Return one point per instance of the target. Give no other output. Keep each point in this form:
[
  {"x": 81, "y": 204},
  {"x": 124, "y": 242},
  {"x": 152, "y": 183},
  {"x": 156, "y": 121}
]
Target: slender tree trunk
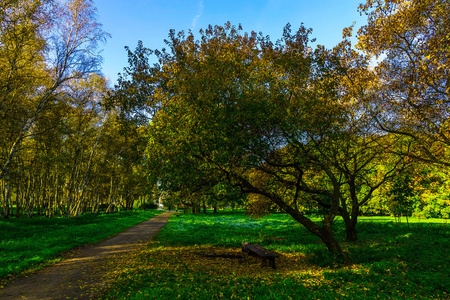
[
  {"x": 72, "y": 181},
  {"x": 95, "y": 204},
  {"x": 407, "y": 221},
  {"x": 88, "y": 169},
  {"x": 76, "y": 212},
  {"x": 56, "y": 192},
  {"x": 3, "y": 196},
  {"x": 18, "y": 201},
  {"x": 110, "y": 197},
  {"x": 25, "y": 194},
  {"x": 30, "y": 197},
  {"x": 18, "y": 191},
  {"x": 38, "y": 196},
  {"x": 8, "y": 196},
  {"x": 30, "y": 205}
]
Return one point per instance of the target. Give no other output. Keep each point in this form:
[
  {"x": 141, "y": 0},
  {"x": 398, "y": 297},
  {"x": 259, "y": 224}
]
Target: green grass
[
  {"x": 25, "y": 243},
  {"x": 199, "y": 257}
]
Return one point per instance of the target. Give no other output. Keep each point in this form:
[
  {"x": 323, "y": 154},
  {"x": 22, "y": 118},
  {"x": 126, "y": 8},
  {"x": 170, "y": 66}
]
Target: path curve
[{"x": 80, "y": 275}]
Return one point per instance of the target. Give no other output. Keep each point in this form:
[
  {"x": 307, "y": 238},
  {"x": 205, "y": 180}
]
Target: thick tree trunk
[
  {"x": 350, "y": 221},
  {"x": 333, "y": 246},
  {"x": 350, "y": 228},
  {"x": 326, "y": 235},
  {"x": 350, "y": 224}
]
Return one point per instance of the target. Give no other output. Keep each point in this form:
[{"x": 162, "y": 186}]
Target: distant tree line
[{"x": 62, "y": 152}]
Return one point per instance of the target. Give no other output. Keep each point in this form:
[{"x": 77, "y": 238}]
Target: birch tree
[{"x": 60, "y": 45}]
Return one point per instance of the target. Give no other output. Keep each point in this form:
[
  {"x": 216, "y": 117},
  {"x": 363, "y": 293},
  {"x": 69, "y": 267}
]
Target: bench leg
[
  {"x": 264, "y": 262},
  {"x": 272, "y": 262},
  {"x": 268, "y": 261}
]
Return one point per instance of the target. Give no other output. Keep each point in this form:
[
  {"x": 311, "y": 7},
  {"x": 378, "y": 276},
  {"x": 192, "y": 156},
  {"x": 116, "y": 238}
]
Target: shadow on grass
[{"x": 198, "y": 256}]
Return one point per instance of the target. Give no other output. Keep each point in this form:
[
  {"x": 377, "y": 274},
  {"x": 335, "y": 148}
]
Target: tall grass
[
  {"x": 25, "y": 243},
  {"x": 199, "y": 257}
]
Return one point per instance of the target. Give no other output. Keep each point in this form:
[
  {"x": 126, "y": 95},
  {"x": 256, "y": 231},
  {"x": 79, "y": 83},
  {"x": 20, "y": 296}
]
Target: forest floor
[{"x": 81, "y": 275}]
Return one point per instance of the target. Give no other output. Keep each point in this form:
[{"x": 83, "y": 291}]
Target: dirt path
[{"x": 80, "y": 275}]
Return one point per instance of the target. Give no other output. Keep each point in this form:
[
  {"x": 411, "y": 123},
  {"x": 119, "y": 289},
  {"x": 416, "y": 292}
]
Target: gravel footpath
[{"x": 80, "y": 275}]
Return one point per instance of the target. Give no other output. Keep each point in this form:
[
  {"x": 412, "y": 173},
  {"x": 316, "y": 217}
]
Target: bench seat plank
[{"x": 255, "y": 249}]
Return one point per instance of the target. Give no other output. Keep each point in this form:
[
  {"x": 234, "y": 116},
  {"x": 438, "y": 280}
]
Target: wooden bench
[{"x": 256, "y": 250}]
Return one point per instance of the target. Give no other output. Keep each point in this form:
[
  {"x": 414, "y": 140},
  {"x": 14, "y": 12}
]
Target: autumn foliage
[{"x": 229, "y": 118}]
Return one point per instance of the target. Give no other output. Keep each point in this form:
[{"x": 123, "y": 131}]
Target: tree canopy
[
  {"x": 411, "y": 98},
  {"x": 291, "y": 124}
]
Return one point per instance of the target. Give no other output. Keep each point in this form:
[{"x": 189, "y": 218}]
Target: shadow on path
[{"x": 80, "y": 275}]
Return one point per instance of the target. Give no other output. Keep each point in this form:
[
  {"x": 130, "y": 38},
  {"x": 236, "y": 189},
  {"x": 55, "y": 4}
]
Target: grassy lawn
[
  {"x": 199, "y": 257},
  {"x": 25, "y": 243}
]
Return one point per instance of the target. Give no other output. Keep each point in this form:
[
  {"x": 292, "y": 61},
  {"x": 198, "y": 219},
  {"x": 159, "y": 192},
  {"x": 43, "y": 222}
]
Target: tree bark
[
  {"x": 350, "y": 228},
  {"x": 350, "y": 221}
]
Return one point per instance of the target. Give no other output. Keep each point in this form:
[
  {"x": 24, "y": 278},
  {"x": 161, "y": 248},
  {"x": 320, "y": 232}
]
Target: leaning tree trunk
[{"x": 324, "y": 233}]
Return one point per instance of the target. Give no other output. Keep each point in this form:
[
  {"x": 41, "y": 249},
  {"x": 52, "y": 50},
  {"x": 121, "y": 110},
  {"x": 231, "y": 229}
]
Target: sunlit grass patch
[
  {"x": 209, "y": 272},
  {"x": 205, "y": 272}
]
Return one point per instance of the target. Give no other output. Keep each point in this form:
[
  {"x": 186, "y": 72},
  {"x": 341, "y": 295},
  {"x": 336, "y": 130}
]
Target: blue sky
[{"x": 150, "y": 21}]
